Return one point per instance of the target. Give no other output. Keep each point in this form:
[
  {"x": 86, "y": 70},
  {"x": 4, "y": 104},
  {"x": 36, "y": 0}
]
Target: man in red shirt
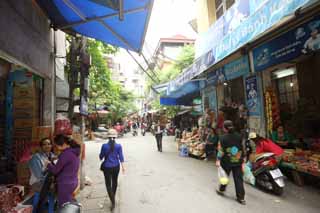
[{"x": 263, "y": 145}]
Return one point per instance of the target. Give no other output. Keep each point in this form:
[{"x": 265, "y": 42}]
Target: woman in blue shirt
[{"x": 111, "y": 154}]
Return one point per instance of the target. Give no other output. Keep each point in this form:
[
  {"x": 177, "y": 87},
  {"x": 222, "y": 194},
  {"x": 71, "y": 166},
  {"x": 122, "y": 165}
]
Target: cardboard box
[
  {"x": 23, "y": 114},
  {"x": 22, "y": 132},
  {"x": 23, "y": 171},
  {"x": 23, "y": 103},
  {"x": 25, "y": 91},
  {"x": 22, "y": 123},
  {"x": 40, "y": 132}
]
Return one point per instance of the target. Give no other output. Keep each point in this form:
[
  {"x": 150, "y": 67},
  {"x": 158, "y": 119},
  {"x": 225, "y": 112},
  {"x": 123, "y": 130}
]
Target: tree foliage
[
  {"x": 102, "y": 90},
  {"x": 184, "y": 60}
]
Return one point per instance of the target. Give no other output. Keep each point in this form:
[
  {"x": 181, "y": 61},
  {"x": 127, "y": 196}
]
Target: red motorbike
[{"x": 268, "y": 175}]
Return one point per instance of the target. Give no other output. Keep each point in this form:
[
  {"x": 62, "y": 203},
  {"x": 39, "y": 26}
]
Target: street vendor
[
  {"x": 211, "y": 143},
  {"x": 263, "y": 145},
  {"x": 282, "y": 138},
  {"x": 66, "y": 169},
  {"x": 37, "y": 164}
]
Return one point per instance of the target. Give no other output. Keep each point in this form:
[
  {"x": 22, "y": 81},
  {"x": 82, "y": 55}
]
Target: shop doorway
[{"x": 285, "y": 83}]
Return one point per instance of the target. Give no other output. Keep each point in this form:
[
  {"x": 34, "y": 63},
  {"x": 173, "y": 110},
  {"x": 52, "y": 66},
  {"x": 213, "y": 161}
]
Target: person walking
[
  {"x": 158, "y": 133},
  {"x": 112, "y": 156},
  {"x": 66, "y": 169},
  {"x": 231, "y": 158}
]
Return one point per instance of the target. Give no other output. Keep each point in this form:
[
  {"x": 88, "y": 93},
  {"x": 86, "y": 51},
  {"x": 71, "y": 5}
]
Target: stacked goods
[
  {"x": 303, "y": 161},
  {"x": 288, "y": 155},
  {"x": 10, "y": 196},
  {"x": 23, "y": 174},
  {"x": 196, "y": 148},
  {"x": 24, "y": 104},
  {"x": 21, "y": 209},
  {"x": 39, "y": 133}
]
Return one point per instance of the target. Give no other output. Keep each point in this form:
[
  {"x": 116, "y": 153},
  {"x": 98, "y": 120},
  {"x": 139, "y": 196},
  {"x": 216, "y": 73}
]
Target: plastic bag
[
  {"x": 248, "y": 176},
  {"x": 184, "y": 152},
  {"x": 223, "y": 177}
]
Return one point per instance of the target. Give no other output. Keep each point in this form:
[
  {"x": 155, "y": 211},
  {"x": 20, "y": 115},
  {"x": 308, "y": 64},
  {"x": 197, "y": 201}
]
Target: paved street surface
[{"x": 166, "y": 183}]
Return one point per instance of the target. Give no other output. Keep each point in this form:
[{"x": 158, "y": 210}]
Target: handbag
[{"x": 105, "y": 159}]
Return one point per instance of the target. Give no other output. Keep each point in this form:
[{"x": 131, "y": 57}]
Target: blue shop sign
[
  {"x": 301, "y": 40},
  {"x": 230, "y": 71},
  {"x": 262, "y": 16},
  {"x": 233, "y": 17}
]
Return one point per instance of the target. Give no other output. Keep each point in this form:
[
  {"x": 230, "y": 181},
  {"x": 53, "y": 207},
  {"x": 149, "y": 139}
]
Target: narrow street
[{"x": 164, "y": 183}]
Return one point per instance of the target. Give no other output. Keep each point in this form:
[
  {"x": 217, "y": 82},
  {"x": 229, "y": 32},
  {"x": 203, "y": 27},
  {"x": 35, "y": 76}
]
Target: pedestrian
[
  {"x": 211, "y": 143},
  {"x": 158, "y": 133},
  {"x": 231, "y": 158},
  {"x": 66, "y": 169},
  {"x": 112, "y": 156}
]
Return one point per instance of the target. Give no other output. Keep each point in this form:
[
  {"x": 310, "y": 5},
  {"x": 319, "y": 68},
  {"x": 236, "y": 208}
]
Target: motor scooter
[{"x": 267, "y": 173}]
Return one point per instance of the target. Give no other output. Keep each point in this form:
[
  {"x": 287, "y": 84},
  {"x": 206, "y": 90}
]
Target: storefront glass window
[{"x": 288, "y": 92}]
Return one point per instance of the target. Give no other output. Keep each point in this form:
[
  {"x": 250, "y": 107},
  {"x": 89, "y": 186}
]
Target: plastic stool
[{"x": 35, "y": 202}]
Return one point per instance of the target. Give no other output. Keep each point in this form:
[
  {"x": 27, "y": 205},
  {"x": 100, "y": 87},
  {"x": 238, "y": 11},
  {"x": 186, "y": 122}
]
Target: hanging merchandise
[
  {"x": 272, "y": 110},
  {"x": 62, "y": 126}
]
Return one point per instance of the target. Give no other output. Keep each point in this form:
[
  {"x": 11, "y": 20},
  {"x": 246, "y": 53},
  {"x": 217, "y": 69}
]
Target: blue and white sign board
[
  {"x": 229, "y": 71},
  {"x": 251, "y": 18},
  {"x": 233, "y": 17},
  {"x": 253, "y": 96},
  {"x": 301, "y": 40}
]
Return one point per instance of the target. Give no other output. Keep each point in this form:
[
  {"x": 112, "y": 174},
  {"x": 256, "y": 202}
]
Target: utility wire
[
  {"x": 150, "y": 68},
  {"x": 145, "y": 71}
]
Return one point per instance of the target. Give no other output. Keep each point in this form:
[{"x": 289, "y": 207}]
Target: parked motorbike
[{"x": 268, "y": 175}]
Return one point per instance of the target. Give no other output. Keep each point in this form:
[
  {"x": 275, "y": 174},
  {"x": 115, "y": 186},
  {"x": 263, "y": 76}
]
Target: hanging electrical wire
[{"x": 142, "y": 68}]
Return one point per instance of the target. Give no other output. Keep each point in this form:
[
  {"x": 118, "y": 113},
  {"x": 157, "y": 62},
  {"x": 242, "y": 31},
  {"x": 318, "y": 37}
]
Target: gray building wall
[
  {"x": 26, "y": 36},
  {"x": 26, "y": 39}
]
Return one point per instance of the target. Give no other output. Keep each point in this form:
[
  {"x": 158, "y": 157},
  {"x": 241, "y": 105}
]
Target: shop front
[
  {"x": 289, "y": 65},
  {"x": 229, "y": 99},
  {"x": 21, "y": 109}
]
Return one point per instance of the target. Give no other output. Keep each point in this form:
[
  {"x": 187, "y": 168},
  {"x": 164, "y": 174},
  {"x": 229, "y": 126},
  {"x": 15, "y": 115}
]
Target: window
[
  {"x": 222, "y": 6},
  {"x": 288, "y": 92}
]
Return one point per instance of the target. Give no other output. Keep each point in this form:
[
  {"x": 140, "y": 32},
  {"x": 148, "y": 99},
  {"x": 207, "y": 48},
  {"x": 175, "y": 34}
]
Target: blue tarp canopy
[
  {"x": 122, "y": 23},
  {"x": 183, "y": 95}
]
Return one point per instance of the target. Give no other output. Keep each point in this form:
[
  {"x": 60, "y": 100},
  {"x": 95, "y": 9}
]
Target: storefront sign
[
  {"x": 252, "y": 94},
  {"x": 230, "y": 71},
  {"x": 224, "y": 25},
  {"x": 264, "y": 15},
  {"x": 302, "y": 40},
  {"x": 195, "y": 69}
]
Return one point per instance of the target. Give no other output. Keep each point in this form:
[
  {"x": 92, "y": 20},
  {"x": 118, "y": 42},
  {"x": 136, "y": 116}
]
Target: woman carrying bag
[
  {"x": 230, "y": 158},
  {"x": 111, "y": 154}
]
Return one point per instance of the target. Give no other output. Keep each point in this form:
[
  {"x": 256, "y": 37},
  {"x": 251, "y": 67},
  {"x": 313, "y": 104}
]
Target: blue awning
[
  {"x": 182, "y": 96},
  {"x": 122, "y": 23}
]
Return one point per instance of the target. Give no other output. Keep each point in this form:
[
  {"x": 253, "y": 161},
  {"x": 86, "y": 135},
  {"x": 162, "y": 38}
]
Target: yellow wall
[{"x": 206, "y": 14}]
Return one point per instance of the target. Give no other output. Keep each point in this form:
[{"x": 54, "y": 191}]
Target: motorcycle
[{"x": 268, "y": 175}]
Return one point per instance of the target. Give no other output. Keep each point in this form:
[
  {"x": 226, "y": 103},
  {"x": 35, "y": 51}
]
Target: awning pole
[
  {"x": 121, "y": 16},
  {"x": 76, "y": 23}
]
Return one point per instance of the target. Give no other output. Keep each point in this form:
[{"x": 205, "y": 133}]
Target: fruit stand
[{"x": 300, "y": 163}]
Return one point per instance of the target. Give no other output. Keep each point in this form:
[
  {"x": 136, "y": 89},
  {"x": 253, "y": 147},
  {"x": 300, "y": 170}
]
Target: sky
[{"x": 168, "y": 18}]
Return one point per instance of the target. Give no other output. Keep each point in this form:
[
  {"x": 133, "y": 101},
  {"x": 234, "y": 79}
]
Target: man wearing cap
[{"x": 231, "y": 158}]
